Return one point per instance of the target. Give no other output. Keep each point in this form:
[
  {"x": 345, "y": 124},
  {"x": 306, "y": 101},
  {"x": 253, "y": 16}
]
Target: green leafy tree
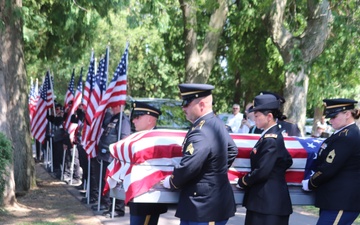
[{"x": 300, "y": 40}]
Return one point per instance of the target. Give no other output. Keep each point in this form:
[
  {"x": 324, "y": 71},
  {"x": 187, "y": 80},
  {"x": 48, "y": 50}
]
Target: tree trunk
[
  {"x": 311, "y": 44},
  {"x": 198, "y": 66},
  {"x": 14, "y": 114},
  {"x": 295, "y": 92},
  {"x": 318, "y": 113}
]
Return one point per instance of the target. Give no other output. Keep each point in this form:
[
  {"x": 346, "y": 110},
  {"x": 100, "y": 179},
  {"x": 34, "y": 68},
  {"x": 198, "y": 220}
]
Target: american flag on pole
[
  {"x": 116, "y": 92},
  {"x": 50, "y": 94},
  {"x": 69, "y": 96},
  {"x": 148, "y": 157},
  {"x": 98, "y": 91},
  {"x": 45, "y": 102},
  {"x": 89, "y": 86},
  {"x": 89, "y": 83},
  {"x": 77, "y": 101},
  {"x": 33, "y": 98},
  {"x": 115, "y": 95}
]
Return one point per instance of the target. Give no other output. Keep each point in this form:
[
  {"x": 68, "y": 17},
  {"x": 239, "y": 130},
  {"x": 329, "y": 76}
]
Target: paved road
[
  {"x": 169, "y": 219},
  {"x": 297, "y": 218}
]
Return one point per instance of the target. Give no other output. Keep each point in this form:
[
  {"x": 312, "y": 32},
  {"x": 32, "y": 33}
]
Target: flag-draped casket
[{"x": 144, "y": 159}]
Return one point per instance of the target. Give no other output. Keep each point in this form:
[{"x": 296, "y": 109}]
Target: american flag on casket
[{"x": 145, "y": 158}]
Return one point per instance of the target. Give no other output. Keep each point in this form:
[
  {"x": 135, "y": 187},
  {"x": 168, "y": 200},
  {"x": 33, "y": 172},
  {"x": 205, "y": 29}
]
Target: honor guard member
[
  {"x": 206, "y": 196},
  {"x": 287, "y": 128},
  {"x": 336, "y": 180},
  {"x": 267, "y": 199},
  {"x": 110, "y": 135},
  {"x": 144, "y": 117}
]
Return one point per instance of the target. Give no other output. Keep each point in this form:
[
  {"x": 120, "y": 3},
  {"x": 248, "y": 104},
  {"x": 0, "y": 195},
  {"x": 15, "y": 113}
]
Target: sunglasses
[
  {"x": 333, "y": 117},
  {"x": 138, "y": 115},
  {"x": 187, "y": 102}
]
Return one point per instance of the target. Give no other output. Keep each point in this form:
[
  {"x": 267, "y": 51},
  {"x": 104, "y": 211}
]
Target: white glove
[
  {"x": 305, "y": 185},
  {"x": 166, "y": 182},
  {"x": 237, "y": 185}
]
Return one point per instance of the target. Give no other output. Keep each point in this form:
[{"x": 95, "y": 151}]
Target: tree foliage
[
  {"x": 336, "y": 72},
  {"x": 59, "y": 36}
]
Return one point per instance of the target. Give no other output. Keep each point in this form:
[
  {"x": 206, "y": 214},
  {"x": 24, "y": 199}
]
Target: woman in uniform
[
  {"x": 267, "y": 198},
  {"x": 336, "y": 180}
]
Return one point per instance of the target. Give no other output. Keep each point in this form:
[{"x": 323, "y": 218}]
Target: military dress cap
[
  {"x": 142, "y": 108},
  {"x": 337, "y": 105},
  {"x": 189, "y": 92},
  {"x": 279, "y": 97},
  {"x": 265, "y": 102}
]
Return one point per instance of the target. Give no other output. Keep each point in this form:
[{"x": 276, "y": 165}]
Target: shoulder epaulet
[{"x": 270, "y": 136}]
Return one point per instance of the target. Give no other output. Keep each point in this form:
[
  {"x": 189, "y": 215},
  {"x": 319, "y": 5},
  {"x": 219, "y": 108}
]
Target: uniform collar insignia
[{"x": 202, "y": 122}]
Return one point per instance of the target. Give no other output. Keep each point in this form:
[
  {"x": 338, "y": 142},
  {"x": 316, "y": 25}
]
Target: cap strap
[
  {"x": 146, "y": 109},
  {"x": 337, "y": 106},
  {"x": 191, "y": 92}
]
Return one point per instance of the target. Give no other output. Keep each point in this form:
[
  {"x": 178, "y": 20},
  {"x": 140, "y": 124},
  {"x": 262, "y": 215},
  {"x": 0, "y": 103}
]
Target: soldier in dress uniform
[
  {"x": 287, "y": 128},
  {"x": 144, "y": 117},
  {"x": 267, "y": 198},
  {"x": 111, "y": 125},
  {"x": 336, "y": 180},
  {"x": 206, "y": 196}
]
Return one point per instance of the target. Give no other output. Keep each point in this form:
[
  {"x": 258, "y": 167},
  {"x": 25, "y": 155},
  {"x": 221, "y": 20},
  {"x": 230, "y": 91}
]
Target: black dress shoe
[
  {"x": 107, "y": 214},
  {"x": 102, "y": 207}
]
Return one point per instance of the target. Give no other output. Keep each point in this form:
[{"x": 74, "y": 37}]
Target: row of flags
[{"x": 95, "y": 97}]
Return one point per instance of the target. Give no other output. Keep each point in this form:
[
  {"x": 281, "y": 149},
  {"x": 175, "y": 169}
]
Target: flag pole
[
  {"x": 101, "y": 161},
  {"x": 122, "y": 108},
  {"x": 51, "y": 146}
]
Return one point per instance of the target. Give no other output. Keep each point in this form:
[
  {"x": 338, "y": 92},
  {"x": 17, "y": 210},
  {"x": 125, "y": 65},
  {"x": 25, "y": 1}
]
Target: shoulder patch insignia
[
  {"x": 270, "y": 136},
  {"x": 331, "y": 156},
  {"x": 190, "y": 149}
]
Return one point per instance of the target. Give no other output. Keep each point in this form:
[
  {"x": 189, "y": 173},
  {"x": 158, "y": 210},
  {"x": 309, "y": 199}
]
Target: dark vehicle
[{"x": 172, "y": 116}]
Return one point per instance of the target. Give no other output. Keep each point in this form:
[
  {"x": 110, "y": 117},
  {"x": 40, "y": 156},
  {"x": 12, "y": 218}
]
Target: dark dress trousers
[
  {"x": 337, "y": 177},
  {"x": 266, "y": 190},
  {"x": 205, "y": 191}
]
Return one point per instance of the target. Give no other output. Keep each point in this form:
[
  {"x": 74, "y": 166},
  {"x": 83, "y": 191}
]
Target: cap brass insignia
[
  {"x": 190, "y": 149},
  {"x": 331, "y": 156}
]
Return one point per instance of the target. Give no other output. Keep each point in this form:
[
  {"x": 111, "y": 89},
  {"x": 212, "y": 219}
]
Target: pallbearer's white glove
[
  {"x": 166, "y": 182},
  {"x": 305, "y": 185}
]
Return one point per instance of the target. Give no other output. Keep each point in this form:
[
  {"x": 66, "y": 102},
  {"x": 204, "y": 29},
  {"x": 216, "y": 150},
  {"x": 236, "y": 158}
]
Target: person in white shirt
[
  {"x": 234, "y": 121},
  {"x": 248, "y": 120}
]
